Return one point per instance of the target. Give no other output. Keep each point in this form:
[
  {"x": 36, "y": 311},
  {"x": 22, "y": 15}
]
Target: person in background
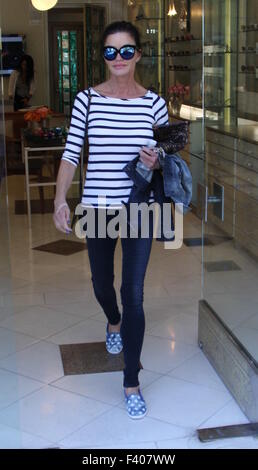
[{"x": 21, "y": 83}]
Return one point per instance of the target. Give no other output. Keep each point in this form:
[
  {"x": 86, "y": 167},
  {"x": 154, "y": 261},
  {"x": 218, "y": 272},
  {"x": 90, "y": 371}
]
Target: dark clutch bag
[{"x": 172, "y": 137}]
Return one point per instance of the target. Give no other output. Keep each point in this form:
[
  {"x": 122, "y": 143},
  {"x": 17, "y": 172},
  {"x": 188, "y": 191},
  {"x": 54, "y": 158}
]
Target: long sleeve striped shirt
[{"x": 117, "y": 130}]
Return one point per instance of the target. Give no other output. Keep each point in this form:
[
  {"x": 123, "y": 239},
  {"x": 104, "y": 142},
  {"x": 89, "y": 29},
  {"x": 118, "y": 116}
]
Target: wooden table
[{"x": 29, "y": 152}]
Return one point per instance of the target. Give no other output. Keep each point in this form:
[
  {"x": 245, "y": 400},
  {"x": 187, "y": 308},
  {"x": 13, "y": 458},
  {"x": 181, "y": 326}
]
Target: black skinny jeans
[{"x": 136, "y": 253}]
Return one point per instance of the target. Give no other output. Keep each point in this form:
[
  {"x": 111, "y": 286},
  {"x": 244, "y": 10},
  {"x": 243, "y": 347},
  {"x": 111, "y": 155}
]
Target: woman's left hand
[{"x": 149, "y": 157}]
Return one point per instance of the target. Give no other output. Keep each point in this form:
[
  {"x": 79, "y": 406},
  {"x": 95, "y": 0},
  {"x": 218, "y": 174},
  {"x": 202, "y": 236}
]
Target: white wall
[{"x": 18, "y": 16}]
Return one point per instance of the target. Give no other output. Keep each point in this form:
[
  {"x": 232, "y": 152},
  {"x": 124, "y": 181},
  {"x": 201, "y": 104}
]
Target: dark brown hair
[
  {"x": 30, "y": 67},
  {"x": 122, "y": 27}
]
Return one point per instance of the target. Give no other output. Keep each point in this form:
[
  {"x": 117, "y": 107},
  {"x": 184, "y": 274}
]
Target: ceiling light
[
  {"x": 43, "y": 5},
  {"x": 172, "y": 10}
]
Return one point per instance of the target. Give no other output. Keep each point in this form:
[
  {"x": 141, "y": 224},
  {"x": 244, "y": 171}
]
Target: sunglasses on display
[{"x": 126, "y": 52}]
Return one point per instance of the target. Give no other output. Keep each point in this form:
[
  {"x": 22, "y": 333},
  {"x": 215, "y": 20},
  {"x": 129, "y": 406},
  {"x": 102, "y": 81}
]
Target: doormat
[
  {"x": 90, "y": 358},
  {"x": 226, "y": 265},
  {"x": 217, "y": 239},
  {"x": 20, "y": 207},
  {"x": 62, "y": 247},
  {"x": 197, "y": 241},
  {"x": 208, "y": 241}
]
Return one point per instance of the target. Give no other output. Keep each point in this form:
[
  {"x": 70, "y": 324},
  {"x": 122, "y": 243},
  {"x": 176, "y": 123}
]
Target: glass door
[
  {"x": 11, "y": 386},
  {"x": 228, "y": 323},
  {"x": 6, "y": 307}
]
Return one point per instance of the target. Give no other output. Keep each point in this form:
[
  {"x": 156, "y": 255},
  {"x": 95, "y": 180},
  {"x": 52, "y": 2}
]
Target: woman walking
[
  {"x": 120, "y": 127},
  {"x": 21, "y": 83}
]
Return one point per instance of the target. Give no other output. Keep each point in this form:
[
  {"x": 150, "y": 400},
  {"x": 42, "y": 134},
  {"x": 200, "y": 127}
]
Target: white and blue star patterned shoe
[
  {"x": 135, "y": 405},
  {"x": 114, "y": 343}
]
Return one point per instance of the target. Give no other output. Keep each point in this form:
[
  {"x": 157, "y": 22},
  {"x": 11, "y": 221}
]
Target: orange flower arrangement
[{"x": 37, "y": 114}]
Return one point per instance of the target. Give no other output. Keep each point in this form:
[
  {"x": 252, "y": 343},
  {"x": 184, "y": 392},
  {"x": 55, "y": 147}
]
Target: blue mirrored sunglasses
[{"x": 126, "y": 52}]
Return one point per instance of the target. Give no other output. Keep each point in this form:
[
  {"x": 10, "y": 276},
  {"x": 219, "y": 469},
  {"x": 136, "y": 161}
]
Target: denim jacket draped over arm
[{"x": 172, "y": 184}]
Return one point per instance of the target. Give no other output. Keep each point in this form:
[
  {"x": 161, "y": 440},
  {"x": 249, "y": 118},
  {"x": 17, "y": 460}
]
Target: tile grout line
[
  {"x": 217, "y": 411},
  {"x": 90, "y": 422}
]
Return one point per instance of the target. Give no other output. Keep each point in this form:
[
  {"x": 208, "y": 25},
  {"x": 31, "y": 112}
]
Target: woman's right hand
[{"x": 61, "y": 217}]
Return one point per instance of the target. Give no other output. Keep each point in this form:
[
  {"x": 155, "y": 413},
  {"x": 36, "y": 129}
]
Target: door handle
[{"x": 217, "y": 199}]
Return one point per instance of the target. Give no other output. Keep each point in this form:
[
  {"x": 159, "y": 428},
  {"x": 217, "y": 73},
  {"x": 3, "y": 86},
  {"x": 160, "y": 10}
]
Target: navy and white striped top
[{"x": 118, "y": 128}]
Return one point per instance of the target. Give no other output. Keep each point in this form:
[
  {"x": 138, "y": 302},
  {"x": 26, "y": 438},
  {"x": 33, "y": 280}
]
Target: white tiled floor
[
  {"x": 51, "y": 302},
  {"x": 39, "y": 322},
  {"x": 10, "y": 342}
]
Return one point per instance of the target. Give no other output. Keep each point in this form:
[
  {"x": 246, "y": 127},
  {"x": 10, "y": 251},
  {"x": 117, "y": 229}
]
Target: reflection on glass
[
  {"x": 149, "y": 18},
  {"x": 95, "y": 24},
  {"x": 230, "y": 263}
]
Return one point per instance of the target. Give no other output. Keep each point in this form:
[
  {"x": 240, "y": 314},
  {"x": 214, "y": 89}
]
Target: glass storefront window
[{"x": 230, "y": 260}]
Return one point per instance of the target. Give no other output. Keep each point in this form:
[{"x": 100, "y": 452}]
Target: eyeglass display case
[
  {"x": 220, "y": 59},
  {"x": 228, "y": 320},
  {"x": 183, "y": 50},
  {"x": 232, "y": 142},
  {"x": 248, "y": 59},
  {"x": 148, "y": 17}
]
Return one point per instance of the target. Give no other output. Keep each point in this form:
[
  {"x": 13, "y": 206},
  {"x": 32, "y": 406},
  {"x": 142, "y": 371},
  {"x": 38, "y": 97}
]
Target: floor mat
[
  {"x": 197, "y": 241},
  {"x": 62, "y": 247},
  {"x": 226, "y": 265},
  {"x": 209, "y": 240},
  {"x": 90, "y": 358}
]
